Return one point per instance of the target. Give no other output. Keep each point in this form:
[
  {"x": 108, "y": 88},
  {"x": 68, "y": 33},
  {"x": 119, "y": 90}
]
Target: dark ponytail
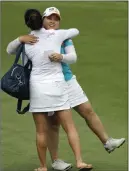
[{"x": 33, "y": 19}]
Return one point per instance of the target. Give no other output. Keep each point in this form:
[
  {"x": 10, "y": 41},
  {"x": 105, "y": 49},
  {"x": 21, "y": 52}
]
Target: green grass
[{"x": 101, "y": 70}]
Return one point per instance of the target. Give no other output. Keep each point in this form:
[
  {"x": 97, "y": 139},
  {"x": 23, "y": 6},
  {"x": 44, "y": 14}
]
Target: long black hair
[{"x": 33, "y": 19}]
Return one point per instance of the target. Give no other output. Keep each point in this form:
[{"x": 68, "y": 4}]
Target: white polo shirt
[{"x": 49, "y": 42}]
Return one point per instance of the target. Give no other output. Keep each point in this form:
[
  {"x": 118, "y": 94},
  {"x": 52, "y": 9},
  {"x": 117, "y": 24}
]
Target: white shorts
[
  {"x": 48, "y": 96},
  {"x": 76, "y": 95}
]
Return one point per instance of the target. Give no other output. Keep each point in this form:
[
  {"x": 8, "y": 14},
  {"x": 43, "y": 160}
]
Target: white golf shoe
[
  {"x": 60, "y": 165},
  {"x": 112, "y": 144}
]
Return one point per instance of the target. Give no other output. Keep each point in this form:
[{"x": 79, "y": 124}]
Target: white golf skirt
[
  {"x": 76, "y": 95},
  {"x": 48, "y": 96}
]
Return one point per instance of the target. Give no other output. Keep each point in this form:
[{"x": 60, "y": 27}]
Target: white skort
[
  {"x": 48, "y": 96},
  {"x": 76, "y": 95}
]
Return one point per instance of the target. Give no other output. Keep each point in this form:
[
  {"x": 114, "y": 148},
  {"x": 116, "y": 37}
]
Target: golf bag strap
[
  {"x": 19, "y": 51},
  {"x": 19, "y": 104}
]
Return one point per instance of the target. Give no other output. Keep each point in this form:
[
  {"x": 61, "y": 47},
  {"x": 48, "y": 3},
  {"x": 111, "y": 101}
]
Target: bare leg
[
  {"x": 93, "y": 121},
  {"x": 41, "y": 138},
  {"x": 67, "y": 123},
  {"x": 53, "y": 138}
]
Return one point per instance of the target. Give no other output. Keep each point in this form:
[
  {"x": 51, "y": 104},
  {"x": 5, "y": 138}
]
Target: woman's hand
[
  {"x": 28, "y": 39},
  {"x": 56, "y": 57}
]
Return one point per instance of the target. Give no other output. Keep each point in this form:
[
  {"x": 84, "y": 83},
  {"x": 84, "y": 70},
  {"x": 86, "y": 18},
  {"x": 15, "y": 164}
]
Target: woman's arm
[
  {"x": 69, "y": 56},
  {"x": 67, "y": 33},
  {"x": 13, "y": 46}
]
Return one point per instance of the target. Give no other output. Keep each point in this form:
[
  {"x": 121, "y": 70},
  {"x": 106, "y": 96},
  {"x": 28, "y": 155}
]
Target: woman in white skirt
[{"x": 48, "y": 89}]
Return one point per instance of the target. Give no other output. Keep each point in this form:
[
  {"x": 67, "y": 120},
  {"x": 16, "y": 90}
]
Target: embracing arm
[
  {"x": 12, "y": 46},
  {"x": 28, "y": 39},
  {"x": 70, "y": 55},
  {"x": 71, "y": 33},
  {"x": 67, "y": 34}
]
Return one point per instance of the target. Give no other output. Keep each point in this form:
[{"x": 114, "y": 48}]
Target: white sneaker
[
  {"x": 60, "y": 165},
  {"x": 112, "y": 144}
]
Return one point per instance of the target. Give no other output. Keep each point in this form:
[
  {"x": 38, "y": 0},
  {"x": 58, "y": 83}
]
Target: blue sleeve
[
  {"x": 68, "y": 42},
  {"x": 66, "y": 69}
]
